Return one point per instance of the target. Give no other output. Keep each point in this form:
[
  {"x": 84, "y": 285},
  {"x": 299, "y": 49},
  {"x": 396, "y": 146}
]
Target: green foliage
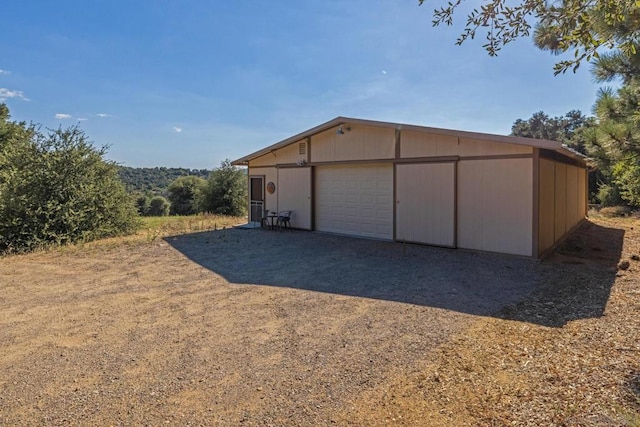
[
  {"x": 158, "y": 206},
  {"x": 155, "y": 180},
  {"x": 226, "y": 191},
  {"x": 614, "y": 145},
  {"x": 585, "y": 27},
  {"x": 609, "y": 195},
  {"x": 566, "y": 129},
  {"x": 142, "y": 204},
  {"x": 56, "y": 188},
  {"x": 185, "y": 193}
]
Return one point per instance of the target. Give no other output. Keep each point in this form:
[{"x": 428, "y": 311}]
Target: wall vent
[{"x": 302, "y": 148}]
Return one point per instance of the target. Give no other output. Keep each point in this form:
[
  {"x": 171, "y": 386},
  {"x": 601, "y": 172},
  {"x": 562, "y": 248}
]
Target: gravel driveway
[
  {"x": 232, "y": 327},
  {"x": 462, "y": 281}
]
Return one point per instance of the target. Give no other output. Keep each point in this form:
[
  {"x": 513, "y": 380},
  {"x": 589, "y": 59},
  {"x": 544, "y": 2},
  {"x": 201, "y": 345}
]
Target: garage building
[{"x": 423, "y": 185}]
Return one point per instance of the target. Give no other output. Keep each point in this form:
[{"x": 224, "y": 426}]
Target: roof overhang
[{"x": 531, "y": 142}]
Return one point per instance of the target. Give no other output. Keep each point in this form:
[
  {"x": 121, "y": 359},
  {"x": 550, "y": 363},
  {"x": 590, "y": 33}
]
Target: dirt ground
[{"x": 251, "y": 327}]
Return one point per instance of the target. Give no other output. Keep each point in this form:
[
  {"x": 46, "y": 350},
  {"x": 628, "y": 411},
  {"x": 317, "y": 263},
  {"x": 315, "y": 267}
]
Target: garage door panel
[{"x": 355, "y": 200}]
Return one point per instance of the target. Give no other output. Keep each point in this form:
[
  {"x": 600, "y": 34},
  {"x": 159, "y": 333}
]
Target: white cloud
[
  {"x": 384, "y": 71},
  {"x": 177, "y": 129},
  {"x": 6, "y": 94},
  {"x": 63, "y": 116},
  {"x": 103, "y": 115},
  {"x": 82, "y": 119},
  {"x": 5, "y": 72}
]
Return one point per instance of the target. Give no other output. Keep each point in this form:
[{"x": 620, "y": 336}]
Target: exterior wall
[
  {"x": 419, "y": 144},
  {"x": 285, "y": 155},
  {"x": 295, "y": 195},
  {"x": 359, "y": 143},
  {"x": 495, "y": 205},
  {"x": 562, "y": 201},
  {"x": 425, "y": 203},
  {"x": 546, "y": 204}
]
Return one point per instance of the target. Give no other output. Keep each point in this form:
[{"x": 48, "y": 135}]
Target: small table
[{"x": 272, "y": 216}]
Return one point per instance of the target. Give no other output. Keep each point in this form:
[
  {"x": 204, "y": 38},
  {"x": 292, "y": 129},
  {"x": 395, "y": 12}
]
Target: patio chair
[
  {"x": 264, "y": 221},
  {"x": 284, "y": 219}
]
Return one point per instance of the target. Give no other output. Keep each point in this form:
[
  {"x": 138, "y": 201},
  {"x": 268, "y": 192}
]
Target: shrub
[
  {"x": 184, "y": 194},
  {"x": 158, "y": 206},
  {"x": 609, "y": 195},
  {"x": 57, "y": 189},
  {"x": 226, "y": 191}
]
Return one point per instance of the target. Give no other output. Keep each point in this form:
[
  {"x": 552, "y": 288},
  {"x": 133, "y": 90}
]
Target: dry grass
[{"x": 155, "y": 228}]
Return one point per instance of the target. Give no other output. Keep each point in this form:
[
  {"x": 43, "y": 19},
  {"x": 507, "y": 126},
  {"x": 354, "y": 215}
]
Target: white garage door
[{"x": 355, "y": 200}]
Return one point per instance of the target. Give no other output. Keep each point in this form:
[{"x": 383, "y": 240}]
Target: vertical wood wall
[{"x": 562, "y": 201}]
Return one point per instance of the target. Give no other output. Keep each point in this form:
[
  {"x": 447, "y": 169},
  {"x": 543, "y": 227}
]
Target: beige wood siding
[
  {"x": 283, "y": 156},
  {"x": 270, "y": 175},
  {"x": 560, "y": 226},
  {"x": 419, "y": 144},
  {"x": 495, "y": 205},
  {"x": 562, "y": 201},
  {"x": 425, "y": 203},
  {"x": 572, "y": 196},
  {"x": 546, "y": 205},
  {"x": 265, "y": 160},
  {"x": 481, "y": 147},
  {"x": 295, "y": 195},
  {"x": 582, "y": 194},
  {"x": 355, "y": 200},
  {"x": 359, "y": 143}
]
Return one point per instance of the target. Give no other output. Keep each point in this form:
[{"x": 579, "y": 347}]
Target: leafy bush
[
  {"x": 226, "y": 191},
  {"x": 184, "y": 194},
  {"x": 158, "y": 206},
  {"x": 609, "y": 195},
  {"x": 57, "y": 189}
]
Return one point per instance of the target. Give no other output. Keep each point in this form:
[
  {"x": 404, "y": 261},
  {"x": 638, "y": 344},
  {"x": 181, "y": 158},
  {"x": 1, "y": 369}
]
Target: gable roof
[{"x": 340, "y": 120}]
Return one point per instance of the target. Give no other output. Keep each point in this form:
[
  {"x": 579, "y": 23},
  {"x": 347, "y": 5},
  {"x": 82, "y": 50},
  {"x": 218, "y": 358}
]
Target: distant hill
[{"x": 155, "y": 180}]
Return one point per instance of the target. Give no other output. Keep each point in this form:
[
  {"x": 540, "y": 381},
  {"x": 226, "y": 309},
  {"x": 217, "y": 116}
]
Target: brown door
[{"x": 256, "y": 198}]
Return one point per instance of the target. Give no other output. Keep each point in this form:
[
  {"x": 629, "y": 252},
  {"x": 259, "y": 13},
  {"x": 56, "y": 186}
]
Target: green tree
[
  {"x": 142, "y": 204},
  {"x": 585, "y": 27},
  {"x": 226, "y": 191},
  {"x": 571, "y": 129},
  {"x": 615, "y": 143},
  {"x": 184, "y": 194},
  {"x": 158, "y": 206},
  {"x": 56, "y": 188},
  {"x": 565, "y": 129}
]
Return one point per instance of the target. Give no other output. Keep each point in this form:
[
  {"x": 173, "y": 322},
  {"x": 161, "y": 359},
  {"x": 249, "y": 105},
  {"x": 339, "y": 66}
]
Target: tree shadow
[{"x": 549, "y": 293}]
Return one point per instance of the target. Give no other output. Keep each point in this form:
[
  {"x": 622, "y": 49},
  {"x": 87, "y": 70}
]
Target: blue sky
[{"x": 190, "y": 83}]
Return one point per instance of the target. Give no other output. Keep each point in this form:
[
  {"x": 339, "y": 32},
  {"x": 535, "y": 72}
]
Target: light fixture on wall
[{"x": 342, "y": 128}]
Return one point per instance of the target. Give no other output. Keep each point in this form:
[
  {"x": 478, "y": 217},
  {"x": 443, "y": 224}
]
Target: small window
[{"x": 302, "y": 148}]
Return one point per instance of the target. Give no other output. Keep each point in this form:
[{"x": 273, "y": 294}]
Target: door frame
[{"x": 256, "y": 206}]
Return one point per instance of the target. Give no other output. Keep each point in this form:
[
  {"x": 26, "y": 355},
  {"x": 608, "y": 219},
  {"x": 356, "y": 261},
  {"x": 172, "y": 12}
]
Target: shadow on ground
[{"x": 549, "y": 293}]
